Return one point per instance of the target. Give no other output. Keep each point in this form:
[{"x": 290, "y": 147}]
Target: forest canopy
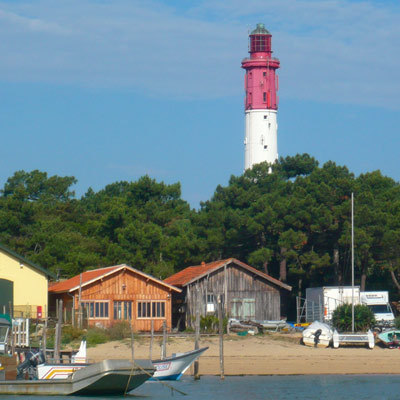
[{"x": 291, "y": 220}]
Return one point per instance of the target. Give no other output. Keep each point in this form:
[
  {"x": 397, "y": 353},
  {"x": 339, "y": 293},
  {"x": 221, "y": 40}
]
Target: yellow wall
[{"x": 30, "y": 285}]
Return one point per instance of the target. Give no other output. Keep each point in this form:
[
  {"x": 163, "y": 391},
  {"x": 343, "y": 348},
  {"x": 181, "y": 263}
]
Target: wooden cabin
[
  {"x": 246, "y": 293},
  {"x": 117, "y": 293},
  {"x": 23, "y": 286}
]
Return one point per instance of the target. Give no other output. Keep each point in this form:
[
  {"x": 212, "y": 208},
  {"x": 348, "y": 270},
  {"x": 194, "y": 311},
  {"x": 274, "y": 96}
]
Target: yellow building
[{"x": 23, "y": 286}]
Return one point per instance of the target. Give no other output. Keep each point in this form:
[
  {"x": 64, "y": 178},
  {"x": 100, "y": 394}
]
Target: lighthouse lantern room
[{"x": 261, "y": 102}]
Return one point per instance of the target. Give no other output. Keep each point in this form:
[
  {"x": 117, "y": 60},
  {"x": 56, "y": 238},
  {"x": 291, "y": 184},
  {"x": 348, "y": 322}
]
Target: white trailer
[
  {"x": 378, "y": 302},
  {"x": 322, "y": 301}
]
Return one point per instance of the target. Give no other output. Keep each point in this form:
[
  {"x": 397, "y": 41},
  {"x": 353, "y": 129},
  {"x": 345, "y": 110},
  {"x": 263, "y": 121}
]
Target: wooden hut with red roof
[
  {"x": 246, "y": 292},
  {"x": 117, "y": 293}
]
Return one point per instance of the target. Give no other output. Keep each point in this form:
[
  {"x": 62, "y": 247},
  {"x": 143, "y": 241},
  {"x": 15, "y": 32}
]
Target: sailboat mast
[{"x": 352, "y": 262}]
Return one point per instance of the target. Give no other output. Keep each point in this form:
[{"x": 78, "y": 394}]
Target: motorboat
[
  {"x": 172, "y": 368},
  {"x": 108, "y": 377}
]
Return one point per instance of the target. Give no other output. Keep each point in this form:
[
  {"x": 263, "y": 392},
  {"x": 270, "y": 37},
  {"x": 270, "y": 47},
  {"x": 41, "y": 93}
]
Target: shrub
[
  {"x": 363, "y": 318},
  {"x": 397, "y": 322},
  {"x": 96, "y": 336},
  {"x": 120, "y": 330},
  {"x": 70, "y": 333},
  {"x": 209, "y": 323}
]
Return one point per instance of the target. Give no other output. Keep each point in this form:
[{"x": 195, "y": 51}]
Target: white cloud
[{"x": 333, "y": 51}]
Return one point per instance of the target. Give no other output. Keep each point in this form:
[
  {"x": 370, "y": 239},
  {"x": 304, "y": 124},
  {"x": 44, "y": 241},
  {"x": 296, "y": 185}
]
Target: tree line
[{"x": 291, "y": 220}]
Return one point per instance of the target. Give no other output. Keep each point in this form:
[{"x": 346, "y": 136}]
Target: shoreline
[{"x": 274, "y": 354}]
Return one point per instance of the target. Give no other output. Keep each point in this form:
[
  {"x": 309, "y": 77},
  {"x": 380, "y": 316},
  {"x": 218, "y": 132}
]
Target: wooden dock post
[
  {"x": 57, "y": 339},
  {"x": 221, "y": 338},
  {"x": 151, "y": 340},
  {"x": 164, "y": 343},
  {"x": 44, "y": 337},
  {"x": 197, "y": 335},
  {"x": 132, "y": 341}
]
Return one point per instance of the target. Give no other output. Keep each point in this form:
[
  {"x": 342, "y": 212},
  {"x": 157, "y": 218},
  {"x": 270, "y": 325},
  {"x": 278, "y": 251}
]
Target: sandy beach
[{"x": 272, "y": 354}]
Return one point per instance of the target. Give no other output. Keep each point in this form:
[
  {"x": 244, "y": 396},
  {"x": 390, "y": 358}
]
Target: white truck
[
  {"x": 322, "y": 301},
  {"x": 378, "y": 302}
]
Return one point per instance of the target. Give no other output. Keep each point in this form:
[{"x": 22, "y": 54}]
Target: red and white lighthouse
[{"x": 261, "y": 103}]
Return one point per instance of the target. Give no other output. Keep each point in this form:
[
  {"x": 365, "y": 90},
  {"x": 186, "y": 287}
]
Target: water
[{"x": 325, "y": 387}]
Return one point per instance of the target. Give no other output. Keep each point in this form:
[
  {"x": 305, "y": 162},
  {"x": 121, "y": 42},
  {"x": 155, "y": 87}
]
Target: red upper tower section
[{"x": 261, "y": 81}]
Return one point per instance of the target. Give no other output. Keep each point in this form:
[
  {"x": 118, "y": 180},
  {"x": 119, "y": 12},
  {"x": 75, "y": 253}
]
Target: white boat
[
  {"x": 108, "y": 377},
  {"x": 172, "y": 368},
  {"x": 50, "y": 370},
  {"x": 317, "y": 334},
  {"x": 274, "y": 324}
]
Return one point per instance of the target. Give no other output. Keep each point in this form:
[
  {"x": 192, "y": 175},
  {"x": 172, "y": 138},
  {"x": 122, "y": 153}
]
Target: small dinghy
[
  {"x": 391, "y": 338},
  {"x": 317, "y": 334}
]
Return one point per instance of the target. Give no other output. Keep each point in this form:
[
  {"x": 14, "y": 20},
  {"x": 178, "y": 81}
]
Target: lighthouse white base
[{"x": 261, "y": 137}]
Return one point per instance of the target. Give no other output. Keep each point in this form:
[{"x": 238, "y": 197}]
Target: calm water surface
[{"x": 333, "y": 387}]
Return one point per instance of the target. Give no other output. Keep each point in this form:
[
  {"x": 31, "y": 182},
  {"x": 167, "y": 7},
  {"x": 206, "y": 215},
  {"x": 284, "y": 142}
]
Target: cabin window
[
  {"x": 264, "y": 97},
  {"x": 122, "y": 310},
  {"x": 210, "y": 303},
  {"x": 151, "y": 309},
  {"x": 96, "y": 309}
]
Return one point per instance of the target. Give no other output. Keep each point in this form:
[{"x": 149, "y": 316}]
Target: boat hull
[
  {"x": 317, "y": 334},
  {"x": 172, "y": 368},
  {"x": 111, "y": 377},
  {"x": 390, "y": 337},
  {"x": 323, "y": 342}
]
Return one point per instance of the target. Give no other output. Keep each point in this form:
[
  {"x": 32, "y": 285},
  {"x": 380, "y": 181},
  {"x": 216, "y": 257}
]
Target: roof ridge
[
  {"x": 183, "y": 278},
  {"x": 98, "y": 269}
]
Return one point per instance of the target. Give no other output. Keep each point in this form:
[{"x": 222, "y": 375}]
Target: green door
[{"x": 6, "y": 296}]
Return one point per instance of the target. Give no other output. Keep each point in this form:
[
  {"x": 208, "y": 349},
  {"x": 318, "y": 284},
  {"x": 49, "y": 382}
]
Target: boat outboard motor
[
  {"x": 32, "y": 360},
  {"x": 317, "y": 334}
]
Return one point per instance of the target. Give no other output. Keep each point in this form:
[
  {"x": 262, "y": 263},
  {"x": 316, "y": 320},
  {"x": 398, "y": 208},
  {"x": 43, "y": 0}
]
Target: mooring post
[
  {"x": 44, "y": 337},
  {"x": 57, "y": 340},
  {"x": 132, "y": 341},
  {"x": 151, "y": 340},
  {"x": 164, "y": 344},
  {"x": 221, "y": 337},
  {"x": 197, "y": 335}
]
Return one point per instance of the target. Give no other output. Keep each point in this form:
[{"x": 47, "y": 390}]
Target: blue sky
[{"x": 112, "y": 90}]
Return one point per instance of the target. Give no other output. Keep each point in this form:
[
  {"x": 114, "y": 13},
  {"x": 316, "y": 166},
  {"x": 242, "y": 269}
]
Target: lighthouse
[{"x": 261, "y": 102}]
